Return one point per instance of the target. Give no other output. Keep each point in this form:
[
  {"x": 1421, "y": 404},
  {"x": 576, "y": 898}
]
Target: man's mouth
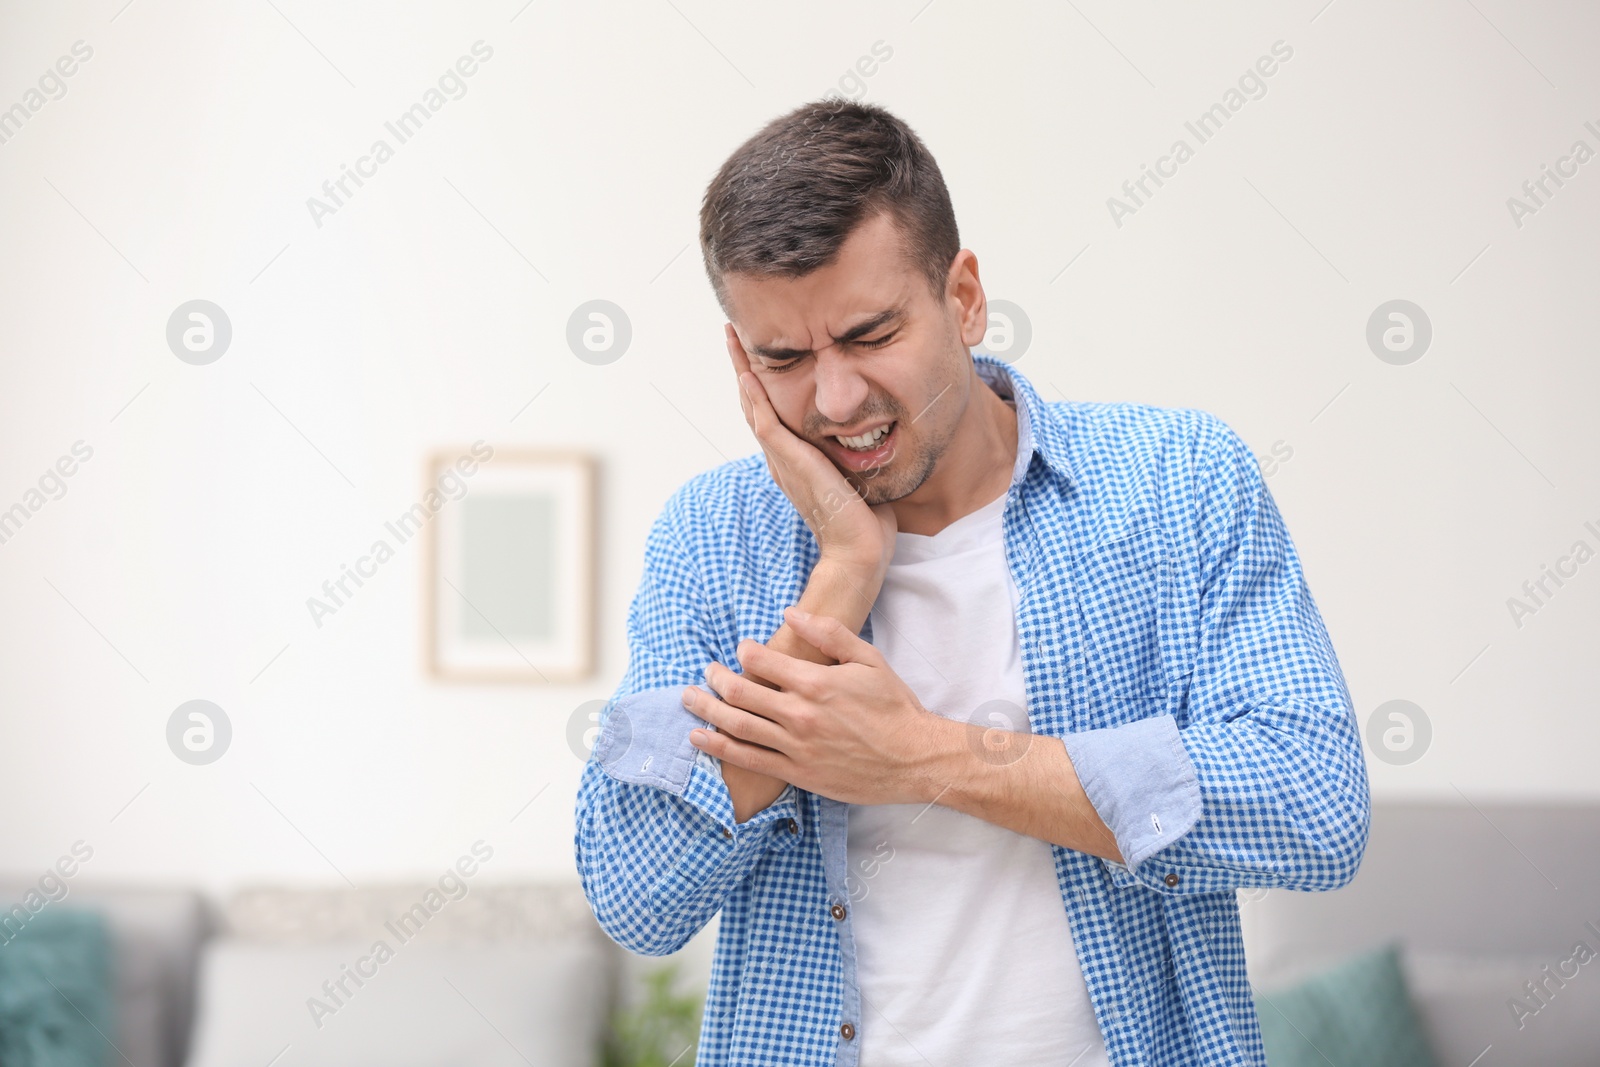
[{"x": 866, "y": 450}]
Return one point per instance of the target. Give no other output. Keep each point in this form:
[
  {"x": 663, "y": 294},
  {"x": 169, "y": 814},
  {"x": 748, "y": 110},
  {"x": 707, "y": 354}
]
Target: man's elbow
[
  {"x": 1360, "y": 811},
  {"x": 629, "y": 920},
  {"x": 626, "y": 915},
  {"x": 1336, "y": 848},
  {"x": 640, "y": 932}
]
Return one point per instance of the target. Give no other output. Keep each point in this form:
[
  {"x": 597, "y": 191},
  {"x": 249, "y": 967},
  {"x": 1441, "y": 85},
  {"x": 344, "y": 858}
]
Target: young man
[{"x": 1054, "y": 689}]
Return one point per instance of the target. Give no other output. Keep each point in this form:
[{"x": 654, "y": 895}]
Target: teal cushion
[
  {"x": 1356, "y": 1014},
  {"x": 55, "y": 989}
]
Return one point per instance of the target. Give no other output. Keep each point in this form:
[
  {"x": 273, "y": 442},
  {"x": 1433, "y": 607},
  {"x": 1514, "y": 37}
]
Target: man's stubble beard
[{"x": 883, "y": 486}]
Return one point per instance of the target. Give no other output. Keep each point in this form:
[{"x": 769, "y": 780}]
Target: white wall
[{"x": 218, "y": 498}]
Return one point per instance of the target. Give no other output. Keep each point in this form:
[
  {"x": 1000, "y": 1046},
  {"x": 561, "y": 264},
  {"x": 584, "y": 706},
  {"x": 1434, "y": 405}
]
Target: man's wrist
[
  {"x": 1021, "y": 781},
  {"x": 948, "y": 764},
  {"x": 842, "y": 588},
  {"x": 750, "y": 791}
]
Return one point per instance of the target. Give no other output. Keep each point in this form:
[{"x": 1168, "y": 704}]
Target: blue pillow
[
  {"x": 55, "y": 989},
  {"x": 1356, "y": 1014}
]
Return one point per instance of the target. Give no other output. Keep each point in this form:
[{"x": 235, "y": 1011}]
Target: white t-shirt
[{"x": 964, "y": 952}]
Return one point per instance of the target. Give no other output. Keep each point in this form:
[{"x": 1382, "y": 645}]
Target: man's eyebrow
[{"x": 876, "y": 322}]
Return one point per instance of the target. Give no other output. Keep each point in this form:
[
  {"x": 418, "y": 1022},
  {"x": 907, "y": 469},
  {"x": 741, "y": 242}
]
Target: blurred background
[{"x": 228, "y": 365}]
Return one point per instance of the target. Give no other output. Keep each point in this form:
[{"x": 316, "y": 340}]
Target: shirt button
[
  {"x": 847, "y": 1031},
  {"x": 726, "y": 832},
  {"x": 1171, "y": 880},
  {"x": 837, "y": 911},
  {"x": 794, "y": 827}
]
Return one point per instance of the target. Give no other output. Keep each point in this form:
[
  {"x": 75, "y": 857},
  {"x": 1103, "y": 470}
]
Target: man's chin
[
  {"x": 883, "y": 485},
  {"x": 874, "y": 495},
  {"x": 900, "y": 474}
]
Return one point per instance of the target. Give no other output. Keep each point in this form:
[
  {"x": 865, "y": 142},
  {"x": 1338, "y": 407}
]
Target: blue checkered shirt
[{"x": 1168, "y": 638}]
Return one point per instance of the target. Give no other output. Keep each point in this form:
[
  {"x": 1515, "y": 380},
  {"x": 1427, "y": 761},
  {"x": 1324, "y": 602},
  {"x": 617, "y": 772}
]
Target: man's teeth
[{"x": 866, "y": 440}]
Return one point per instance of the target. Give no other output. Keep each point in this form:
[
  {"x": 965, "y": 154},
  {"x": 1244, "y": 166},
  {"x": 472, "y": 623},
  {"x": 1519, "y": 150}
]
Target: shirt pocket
[{"x": 1123, "y": 588}]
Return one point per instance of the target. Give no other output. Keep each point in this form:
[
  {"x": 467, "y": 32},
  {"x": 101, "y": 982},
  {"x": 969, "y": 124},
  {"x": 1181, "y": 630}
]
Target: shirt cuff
[
  {"x": 1141, "y": 782},
  {"x": 645, "y": 741}
]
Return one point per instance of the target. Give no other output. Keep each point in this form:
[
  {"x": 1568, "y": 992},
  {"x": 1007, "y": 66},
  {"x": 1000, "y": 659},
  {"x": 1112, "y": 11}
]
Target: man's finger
[
  {"x": 746, "y": 693},
  {"x": 741, "y": 367},
  {"x": 779, "y": 668},
  {"x": 742, "y": 753},
  {"x": 781, "y": 444},
  {"x": 785, "y": 451},
  {"x": 784, "y": 448},
  {"x": 830, "y": 637},
  {"x": 739, "y": 723},
  {"x": 736, "y": 352},
  {"x": 752, "y": 397},
  {"x": 764, "y": 421}
]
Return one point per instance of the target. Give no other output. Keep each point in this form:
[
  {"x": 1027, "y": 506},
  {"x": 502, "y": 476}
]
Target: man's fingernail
[{"x": 803, "y": 616}]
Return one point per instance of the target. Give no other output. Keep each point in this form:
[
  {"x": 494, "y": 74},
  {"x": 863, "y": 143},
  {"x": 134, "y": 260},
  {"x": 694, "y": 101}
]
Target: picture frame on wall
[{"x": 511, "y": 569}]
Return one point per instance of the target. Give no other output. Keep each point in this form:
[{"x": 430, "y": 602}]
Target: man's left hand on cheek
[{"x": 852, "y": 731}]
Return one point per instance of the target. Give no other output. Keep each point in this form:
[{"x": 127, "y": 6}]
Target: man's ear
[{"x": 972, "y": 303}]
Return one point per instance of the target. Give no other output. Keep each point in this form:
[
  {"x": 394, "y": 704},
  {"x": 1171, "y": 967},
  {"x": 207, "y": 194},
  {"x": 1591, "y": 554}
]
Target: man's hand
[
  {"x": 848, "y": 531},
  {"x": 854, "y": 732},
  {"x": 855, "y": 543}
]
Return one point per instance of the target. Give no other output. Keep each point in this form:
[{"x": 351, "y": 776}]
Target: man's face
[{"x": 860, "y": 360}]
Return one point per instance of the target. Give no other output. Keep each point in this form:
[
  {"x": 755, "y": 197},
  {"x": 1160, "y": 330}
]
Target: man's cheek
[{"x": 787, "y": 402}]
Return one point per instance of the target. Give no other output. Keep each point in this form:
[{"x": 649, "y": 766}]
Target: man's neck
[{"x": 974, "y": 469}]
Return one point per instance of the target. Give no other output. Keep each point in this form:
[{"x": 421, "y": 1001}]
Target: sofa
[
  {"x": 1482, "y": 897},
  {"x": 502, "y": 975},
  {"x": 1493, "y": 905},
  {"x": 156, "y": 937}
]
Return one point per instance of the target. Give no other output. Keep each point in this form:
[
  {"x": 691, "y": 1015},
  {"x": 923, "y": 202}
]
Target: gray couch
[
  {"x": 501, "y": 975},
  {"x": 156, "y": 937},
  {"x": 1482, "y": 897}
]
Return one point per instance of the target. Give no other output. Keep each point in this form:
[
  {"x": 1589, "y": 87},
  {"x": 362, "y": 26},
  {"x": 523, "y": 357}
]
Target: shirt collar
[{"x": 1038, "y": 428}]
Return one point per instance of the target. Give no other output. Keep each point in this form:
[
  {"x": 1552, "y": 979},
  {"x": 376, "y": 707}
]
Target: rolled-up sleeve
[
  {"x": 1260, "y": 779},
  {"x": 1140, "y": 781},
  {"x": 656, "y": 843}
]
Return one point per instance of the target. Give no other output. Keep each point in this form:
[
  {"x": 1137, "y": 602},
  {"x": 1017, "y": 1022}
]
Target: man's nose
[{"x": 840, "y": 388}]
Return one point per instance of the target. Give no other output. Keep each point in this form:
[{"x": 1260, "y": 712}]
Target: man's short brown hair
[{"x": 785, "y": 200}]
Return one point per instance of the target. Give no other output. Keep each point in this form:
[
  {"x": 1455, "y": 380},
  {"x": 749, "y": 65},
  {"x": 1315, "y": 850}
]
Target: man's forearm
[
  {"x": 842, "y": 592},
  {"x": 1023, "y": 782}
]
